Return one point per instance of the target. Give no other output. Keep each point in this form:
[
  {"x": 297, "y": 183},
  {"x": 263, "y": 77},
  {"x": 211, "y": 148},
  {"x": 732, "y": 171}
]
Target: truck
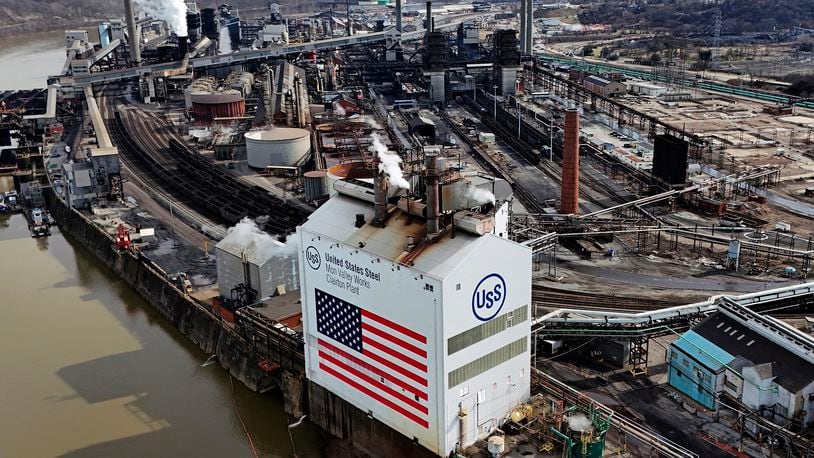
[{"x": 782, "y": 226}]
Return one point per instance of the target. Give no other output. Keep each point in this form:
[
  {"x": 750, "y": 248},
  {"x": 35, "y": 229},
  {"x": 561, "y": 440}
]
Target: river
[{"x": 90, "y": 370}]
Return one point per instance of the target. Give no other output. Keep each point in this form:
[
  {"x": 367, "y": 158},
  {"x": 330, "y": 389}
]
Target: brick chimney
[{"x": 569, "y": 198}]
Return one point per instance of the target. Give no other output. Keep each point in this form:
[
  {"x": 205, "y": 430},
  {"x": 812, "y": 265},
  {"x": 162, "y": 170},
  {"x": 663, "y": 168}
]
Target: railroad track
[
  {"x": 542, "y": 296},
  {"x": 195, "y": 177},
  {"x": 149, "y": 181}
]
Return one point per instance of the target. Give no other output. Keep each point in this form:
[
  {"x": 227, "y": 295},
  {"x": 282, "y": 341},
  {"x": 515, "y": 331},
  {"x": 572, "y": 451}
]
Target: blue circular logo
[
  {"x": 489, "y": 297},
  {"x": 312, "y": 257}
]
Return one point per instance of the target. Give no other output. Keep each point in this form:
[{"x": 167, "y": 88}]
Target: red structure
[
  {"x": 122, "y": 238},
  {"x": 569, "y": 197},
  {"x": 227, "y": 104}
]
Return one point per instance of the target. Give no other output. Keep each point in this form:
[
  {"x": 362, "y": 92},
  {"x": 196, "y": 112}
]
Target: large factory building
[{"x": 422, "y": 325}]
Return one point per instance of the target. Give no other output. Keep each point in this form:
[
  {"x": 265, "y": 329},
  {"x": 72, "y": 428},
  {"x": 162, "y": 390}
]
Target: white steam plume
[
  {"x": 480, "y": 195},
  {"x": 372, "y": 123},
  {"x": 251, "y": 238},
  {"x": 172, "y": 11},
  {"x": 388, "y": 162},
  {"x": 338, "y": 110},
  {"x": 579, "y": 422}
]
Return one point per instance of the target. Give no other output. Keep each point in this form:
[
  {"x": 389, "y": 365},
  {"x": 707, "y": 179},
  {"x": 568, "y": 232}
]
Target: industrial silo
[
  {"x": 224, "y": 104},
  {"x": 315, "y": 185},
  {"x": 278, "y": 147}
]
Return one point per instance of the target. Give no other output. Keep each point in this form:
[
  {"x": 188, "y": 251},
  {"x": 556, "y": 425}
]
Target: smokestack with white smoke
[
  {"x": 339, "y": 110},
  {"x": 174, "y": 12},
  {"x": 250, "y": 237},
  {"x": 388, "y": 162},
  {"x": 480, "y": 195}
]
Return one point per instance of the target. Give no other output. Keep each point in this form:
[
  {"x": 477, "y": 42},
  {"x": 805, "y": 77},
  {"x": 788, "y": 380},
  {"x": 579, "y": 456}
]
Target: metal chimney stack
[
  {"x": 429, "y": 26},
  {"x": 380, "y": 198},
  {"x": 135, "y": 42},
  {"x": 398, "y": 16},
  {"x": 569, "y": 199},
  {"x": 431, "y": 163},
  {"x": 348, "y": 26}
]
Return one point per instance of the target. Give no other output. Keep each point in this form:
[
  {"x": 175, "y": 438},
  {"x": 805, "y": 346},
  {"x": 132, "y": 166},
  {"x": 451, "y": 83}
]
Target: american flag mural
[{"x": 375, "y": 356}]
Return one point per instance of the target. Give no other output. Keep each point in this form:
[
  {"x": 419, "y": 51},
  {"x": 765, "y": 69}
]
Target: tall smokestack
[
  {"x": 348, "y": 27},
  {"x": 380, "y": 199},
  {"x": 398, "y": 16},
  {"x": 431, "y": 163},
  {"x": 132, "y": 29},
  {"x": 183, "y": 47},
  {"x": 428, "y": 26},
  {"x": 569, "y": 199}
]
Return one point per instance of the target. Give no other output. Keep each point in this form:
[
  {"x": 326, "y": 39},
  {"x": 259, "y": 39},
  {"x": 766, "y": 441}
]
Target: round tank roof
[
  {"x": 356, "y": 169},
  {"x": 277, "y": 134},
  {"x": 315, "y": 174}
]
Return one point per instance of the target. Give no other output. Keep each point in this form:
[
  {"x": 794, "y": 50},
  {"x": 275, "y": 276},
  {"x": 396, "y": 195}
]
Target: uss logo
[{"x": 489, "y": 297}]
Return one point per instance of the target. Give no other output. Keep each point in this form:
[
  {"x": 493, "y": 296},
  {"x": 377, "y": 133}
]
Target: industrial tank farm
[{"x": 279, "y": 147}]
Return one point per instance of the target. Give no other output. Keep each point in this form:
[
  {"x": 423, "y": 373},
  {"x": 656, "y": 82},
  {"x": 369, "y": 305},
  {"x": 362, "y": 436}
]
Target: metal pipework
[
  {"x": 431, "y": 163},
  {"x": 132, "y": 28},
  {"x": 380, "y": 199},
  {"x": 398, "y": 16}
]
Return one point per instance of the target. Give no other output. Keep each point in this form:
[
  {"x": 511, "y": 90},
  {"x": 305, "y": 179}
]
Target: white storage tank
[{"x": 281, "y": 146}]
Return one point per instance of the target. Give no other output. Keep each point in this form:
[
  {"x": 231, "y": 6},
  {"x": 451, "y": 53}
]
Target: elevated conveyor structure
[{"x": 247, "y": 56}]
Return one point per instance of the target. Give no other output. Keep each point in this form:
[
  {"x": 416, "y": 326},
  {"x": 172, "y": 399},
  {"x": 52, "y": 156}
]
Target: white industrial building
[
  {"x": 252, "y": 258},
  {"x": 423, "y": 324},
  {"x": 646, "y": 89}
]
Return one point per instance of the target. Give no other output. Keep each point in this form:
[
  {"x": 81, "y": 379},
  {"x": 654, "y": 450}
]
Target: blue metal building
[{"x": 696, "y": 367}]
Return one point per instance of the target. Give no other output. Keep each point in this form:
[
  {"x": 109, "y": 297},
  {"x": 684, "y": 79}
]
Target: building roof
[
  {"x": 336, "y": 219},
  {"x": 703, "y": 351},
  {"x": 277, "y": 134},
  {"x": 597, "y": 80},
  {"x": 792, "y": 371}
]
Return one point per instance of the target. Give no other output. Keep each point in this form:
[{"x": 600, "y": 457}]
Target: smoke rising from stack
[
  {"x": 480, "y": 195},
  {"x": 372, "y": 123},
  {"x": 174, "y": 12},
  {"x": 579, "y": 422},
  {"x": 251, "y": 237},
  {"x": 338, "y": 110},
  {"x": 388, "y": 162}
]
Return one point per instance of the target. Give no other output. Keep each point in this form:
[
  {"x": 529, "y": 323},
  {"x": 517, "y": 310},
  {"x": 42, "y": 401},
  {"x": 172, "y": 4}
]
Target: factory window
[
  {"x": 522, "y": 372},
  {"x": 686, "y": 362},
  {"x": 428, "y": 287},
  {"x": 494, "y": 386},
  {"x": 487, "y": 361},
  {"x": 463, "y": 391},
  {"x": 482, "y": 395},
  {"x": 508, "y": 379},
  {"x": 457, "y": 287},
  {"x": 472, "y": 336}
]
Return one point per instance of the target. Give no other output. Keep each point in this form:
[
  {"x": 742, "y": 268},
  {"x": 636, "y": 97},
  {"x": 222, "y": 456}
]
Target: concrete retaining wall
[{"x": 194, "y": 320}]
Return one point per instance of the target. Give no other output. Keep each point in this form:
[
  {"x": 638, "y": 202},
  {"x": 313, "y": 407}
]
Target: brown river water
[{"x": 88, "y": 369}]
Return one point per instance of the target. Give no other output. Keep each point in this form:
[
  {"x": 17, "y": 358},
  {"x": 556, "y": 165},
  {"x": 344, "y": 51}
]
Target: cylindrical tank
[
  {"x": 496, "y": 445},
  {"x": 208, "y": 106},
  {"x": 282, "y": 146},
  {"x": 356, "y": 169},
  {"x": 315, "y": 182}
]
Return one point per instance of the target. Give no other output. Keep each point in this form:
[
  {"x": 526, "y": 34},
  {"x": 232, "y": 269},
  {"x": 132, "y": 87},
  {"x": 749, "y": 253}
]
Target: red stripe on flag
[
  {"x": 368, "y": 341},
  {"x": 401, "y": 343},
  {"x": 371, "y": 381},
  {"x": 396, "y": 326},
  {"x": 397, "y": 368},
  {"x": 376, "y": 370},
  {"x": 420, "y": 421}
]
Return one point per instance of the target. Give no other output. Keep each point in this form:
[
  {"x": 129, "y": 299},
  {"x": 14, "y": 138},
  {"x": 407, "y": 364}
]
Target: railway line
[
  {"x": 211, "y": 189},
  {"x": 149, "y": 181},
  {"x": 554, "y": 298}
]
